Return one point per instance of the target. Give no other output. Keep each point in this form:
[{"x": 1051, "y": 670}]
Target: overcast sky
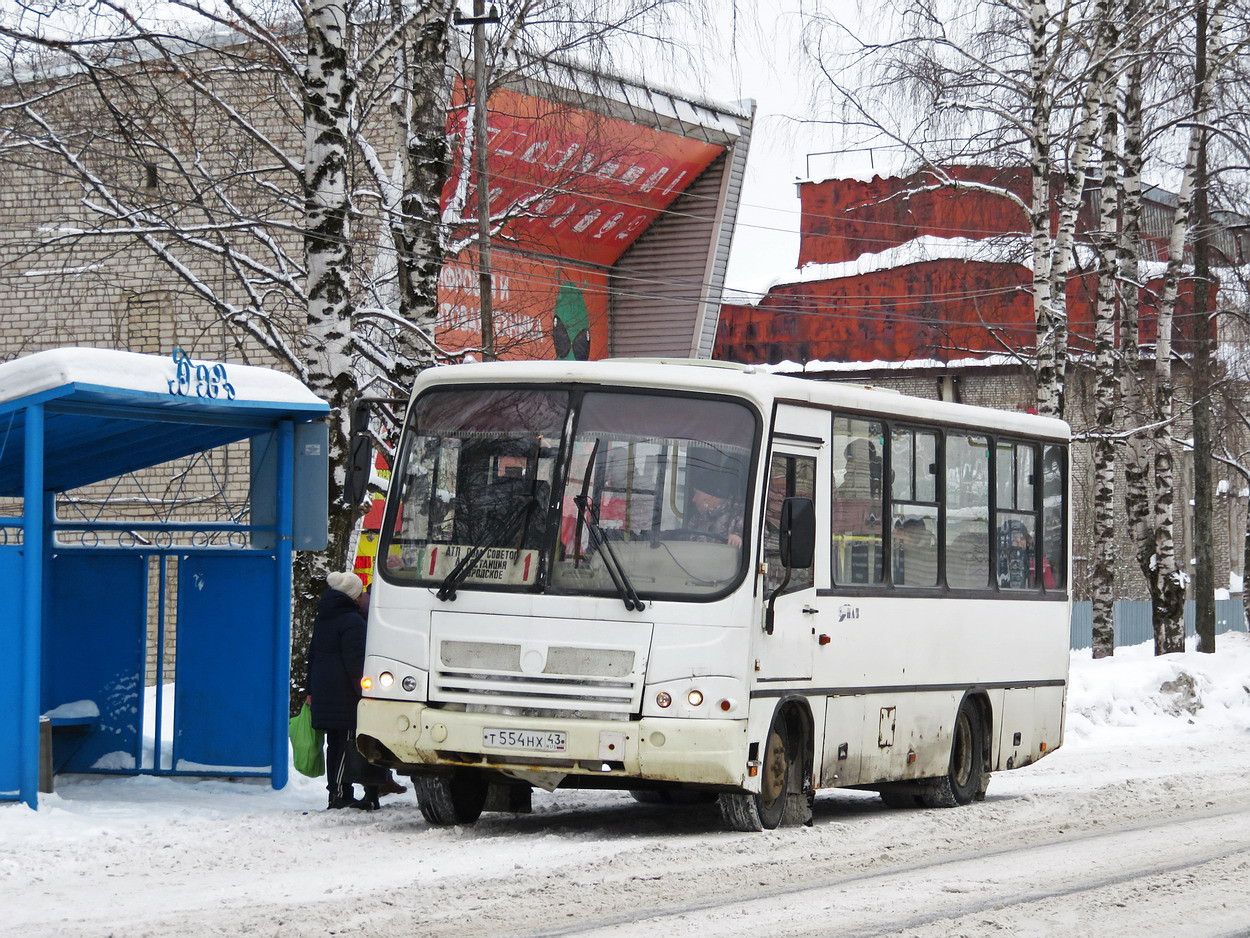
[{"x": 762, "y": 59}]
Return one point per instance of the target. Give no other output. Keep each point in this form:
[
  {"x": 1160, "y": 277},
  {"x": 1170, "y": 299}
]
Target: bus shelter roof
[{"x": 108, "y": 413}]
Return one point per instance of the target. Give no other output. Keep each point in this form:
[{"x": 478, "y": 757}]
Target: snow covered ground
[{"x": 1139, "y": 825}]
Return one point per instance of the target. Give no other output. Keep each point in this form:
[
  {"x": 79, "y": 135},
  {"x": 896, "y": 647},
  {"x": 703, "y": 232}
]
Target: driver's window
[{"x": 787, "y": 476}]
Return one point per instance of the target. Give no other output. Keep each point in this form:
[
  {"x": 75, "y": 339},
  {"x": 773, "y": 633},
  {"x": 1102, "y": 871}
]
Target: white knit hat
[{"x": 347, "y": 583}]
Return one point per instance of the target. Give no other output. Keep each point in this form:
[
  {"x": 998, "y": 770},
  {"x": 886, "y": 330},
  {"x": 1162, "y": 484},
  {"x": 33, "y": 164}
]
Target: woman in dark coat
[{"x": 336, "y": 662}]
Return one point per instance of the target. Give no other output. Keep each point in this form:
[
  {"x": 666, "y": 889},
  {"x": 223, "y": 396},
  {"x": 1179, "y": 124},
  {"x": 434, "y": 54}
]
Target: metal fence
[{"x": 1133, "y": 625}]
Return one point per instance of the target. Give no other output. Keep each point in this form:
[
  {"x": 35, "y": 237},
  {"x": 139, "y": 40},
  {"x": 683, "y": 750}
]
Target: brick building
[
  {"x": 926, "y": 290},
  {"x": 625, "y": 199}
]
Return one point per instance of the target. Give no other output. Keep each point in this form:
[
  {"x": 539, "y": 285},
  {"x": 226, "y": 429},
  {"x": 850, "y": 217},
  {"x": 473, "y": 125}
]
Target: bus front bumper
[{"x": 702, "y": 752}]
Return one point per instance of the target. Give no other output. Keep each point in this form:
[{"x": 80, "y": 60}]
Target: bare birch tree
[
  {"x": 1152, "y": 509},
  {"x": 1002, "y": 82},
  {"x": 294, "y": 154}
]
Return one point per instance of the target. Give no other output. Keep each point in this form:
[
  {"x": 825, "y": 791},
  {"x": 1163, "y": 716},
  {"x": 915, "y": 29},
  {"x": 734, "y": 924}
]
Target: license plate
[{"x": 536, "y": 740}]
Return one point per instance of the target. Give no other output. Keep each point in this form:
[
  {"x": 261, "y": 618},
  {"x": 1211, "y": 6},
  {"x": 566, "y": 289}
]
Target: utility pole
[{"x": 481, "y": 93}]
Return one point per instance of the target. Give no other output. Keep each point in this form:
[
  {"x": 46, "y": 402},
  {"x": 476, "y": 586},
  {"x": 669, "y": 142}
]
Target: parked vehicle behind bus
[{"x": 692, "y": 580}]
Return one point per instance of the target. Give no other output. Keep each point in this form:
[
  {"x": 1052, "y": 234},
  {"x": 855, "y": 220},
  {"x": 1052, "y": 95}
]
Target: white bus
[{"x": 699, "y": 581}]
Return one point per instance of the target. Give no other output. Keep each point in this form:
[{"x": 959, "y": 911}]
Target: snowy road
[{"x": 1139, "y": 826}]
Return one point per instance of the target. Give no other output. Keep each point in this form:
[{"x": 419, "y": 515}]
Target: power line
[{"x": 616, "y": 274}]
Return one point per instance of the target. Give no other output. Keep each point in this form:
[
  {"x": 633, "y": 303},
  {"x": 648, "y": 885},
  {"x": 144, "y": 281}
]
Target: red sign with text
[{"x": 569, "y": 185}]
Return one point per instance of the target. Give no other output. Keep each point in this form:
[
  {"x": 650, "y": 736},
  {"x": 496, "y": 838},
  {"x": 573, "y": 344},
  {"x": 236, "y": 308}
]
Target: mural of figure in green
[{"x": 570, "y": 327}]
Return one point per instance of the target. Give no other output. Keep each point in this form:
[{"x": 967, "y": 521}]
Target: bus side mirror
[
  {"x": 797, "y": 537},
  {"x": 359, "y": 456}
]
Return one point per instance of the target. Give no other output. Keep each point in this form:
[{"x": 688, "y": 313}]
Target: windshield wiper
[
  {"x": 588, "y": 513},
  {"x": 497, "y": 536}
]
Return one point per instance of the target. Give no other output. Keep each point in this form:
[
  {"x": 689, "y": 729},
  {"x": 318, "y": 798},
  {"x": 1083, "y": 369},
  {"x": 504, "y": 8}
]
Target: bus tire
[
  {"x": 966, "y": 776},
  {"x": 780, "y": 771},
  {"x": 457, "y": 798}
]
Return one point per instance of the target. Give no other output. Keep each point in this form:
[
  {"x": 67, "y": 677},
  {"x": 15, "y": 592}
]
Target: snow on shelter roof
[{"x": 109, "y": 412}]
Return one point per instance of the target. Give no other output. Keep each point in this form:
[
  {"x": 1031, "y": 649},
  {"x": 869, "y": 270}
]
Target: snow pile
[{"x": 1136, "y": 690}]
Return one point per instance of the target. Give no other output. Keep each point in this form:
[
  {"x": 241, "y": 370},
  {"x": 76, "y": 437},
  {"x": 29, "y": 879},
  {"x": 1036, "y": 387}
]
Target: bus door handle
[{"x": 810, "y": 610}]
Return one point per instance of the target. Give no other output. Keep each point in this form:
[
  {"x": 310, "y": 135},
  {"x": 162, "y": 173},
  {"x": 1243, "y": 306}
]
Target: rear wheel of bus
[
  {"x": 967, "y": 775},
  {"x": 455, "y": 798}
]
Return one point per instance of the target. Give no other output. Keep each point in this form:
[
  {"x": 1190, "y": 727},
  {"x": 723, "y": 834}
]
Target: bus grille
[{"x": 558, "y": 678}]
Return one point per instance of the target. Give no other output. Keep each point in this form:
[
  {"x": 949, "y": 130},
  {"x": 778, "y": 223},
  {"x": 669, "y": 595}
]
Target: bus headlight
[
  {"x": 695, "y": 697},
  {"x": 386, "y": 679},
  {"x": 409, "y": 683},
  {"x": 663, "y": 699}
]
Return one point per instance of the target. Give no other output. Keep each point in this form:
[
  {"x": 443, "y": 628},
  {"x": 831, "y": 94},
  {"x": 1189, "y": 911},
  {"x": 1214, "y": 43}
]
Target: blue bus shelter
[{"x": 90, "y": 596}]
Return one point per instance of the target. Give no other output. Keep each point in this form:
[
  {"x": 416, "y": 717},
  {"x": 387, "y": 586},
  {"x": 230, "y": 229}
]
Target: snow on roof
[
  {"x": 859, "y": 165},
  {"x": 1006, "y": 249},
  {"x": 916, "y": 364},
  {"x": 155, "y": 374},
  {"x": 639, "y": 99}
]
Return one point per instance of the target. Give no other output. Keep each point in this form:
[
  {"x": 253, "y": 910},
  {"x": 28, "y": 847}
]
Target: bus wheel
[
  {"x": 749, "y": 811},
  {"x": 457, "y": 798},
  {"x": 966, "y": 776}
]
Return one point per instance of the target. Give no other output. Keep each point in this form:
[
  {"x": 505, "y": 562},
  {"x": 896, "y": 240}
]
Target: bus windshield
[{"x": 553, "y": 489}]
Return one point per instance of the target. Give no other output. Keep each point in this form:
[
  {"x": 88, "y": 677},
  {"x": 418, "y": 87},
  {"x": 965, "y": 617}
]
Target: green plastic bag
[{"x": 307, "y": 744}]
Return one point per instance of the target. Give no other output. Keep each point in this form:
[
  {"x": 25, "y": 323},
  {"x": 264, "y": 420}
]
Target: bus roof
[{"x": 744, "y": 381}]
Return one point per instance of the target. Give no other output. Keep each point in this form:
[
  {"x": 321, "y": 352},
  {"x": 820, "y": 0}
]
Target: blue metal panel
[
  {"x": 311, "y": 486},
  {"x": 33, "y": 541},
  {"x": 1133, "y": 623},
  {"x": 285, "y": 555},
  {"x": 263, "y": 489},
  {"x": 223, "y": 715},
  {"x": 94, "y": 640},
  {"x": 1081, "y": 627},
  {"x": 10, "y": 678},
  {"x": 311, "y": 466}
]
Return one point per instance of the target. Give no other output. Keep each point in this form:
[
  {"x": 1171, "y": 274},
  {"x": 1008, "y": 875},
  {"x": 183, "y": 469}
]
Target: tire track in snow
[{"x": 867, "y": 904}]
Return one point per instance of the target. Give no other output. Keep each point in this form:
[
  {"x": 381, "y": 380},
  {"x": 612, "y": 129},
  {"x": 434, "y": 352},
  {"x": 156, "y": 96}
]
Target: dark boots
[{"x": 370, "y": 801}]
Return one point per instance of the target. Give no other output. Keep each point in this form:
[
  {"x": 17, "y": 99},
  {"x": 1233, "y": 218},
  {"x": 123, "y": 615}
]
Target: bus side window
[
  {"x": 787, "y": 476},
  {"x": 858, "y": 507},
  {"x": 1016, "y": 520},
  {"x": 914, "y": 507},
  {"x": 967, "y": 511}
]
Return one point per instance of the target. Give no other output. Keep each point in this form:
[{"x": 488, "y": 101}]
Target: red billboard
[{"x": 570, "y": 191}]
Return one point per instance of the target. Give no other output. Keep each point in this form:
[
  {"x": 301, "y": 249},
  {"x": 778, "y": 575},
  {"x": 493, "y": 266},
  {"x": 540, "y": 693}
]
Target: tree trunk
[
  {"x": 1166, "y": 578},
  {"x": 416, "y": 228},
  {"x": 1204, "y": 570},
  {"x": 1102, "y": 587},
  {"x": 329, "y": 350},
  {"x": 1245, "y": 568},
  {"x": 1135, "y": 407}
]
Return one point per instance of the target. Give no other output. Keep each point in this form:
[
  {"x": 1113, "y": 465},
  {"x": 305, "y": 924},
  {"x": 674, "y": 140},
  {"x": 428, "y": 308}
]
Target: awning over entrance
[{"x": 107, "y": 413}]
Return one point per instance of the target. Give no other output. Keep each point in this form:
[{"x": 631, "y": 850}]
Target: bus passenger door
[{"x": 786, "y": 653}]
